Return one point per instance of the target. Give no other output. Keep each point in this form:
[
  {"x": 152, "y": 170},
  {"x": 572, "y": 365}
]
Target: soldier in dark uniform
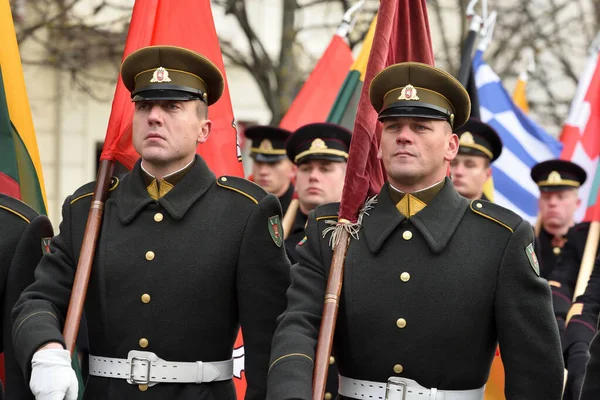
[
  {"x": 591, "y": 383},
  {"x": 182, "y": 260},
  {"x": 271, "y": 169},
  {"x": 480, "y": 146},
  {"x": 433, "y": 282},
  {"x": 320, "y": 151},
  {"x": 561, "y": 241},
  {"x": 581, "y": 326},
  {"x": 24, "y": 236}
]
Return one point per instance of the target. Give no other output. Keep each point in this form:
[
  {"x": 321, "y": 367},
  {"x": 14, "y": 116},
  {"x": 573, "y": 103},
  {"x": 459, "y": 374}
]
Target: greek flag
[{"x": 525, "y": 143}]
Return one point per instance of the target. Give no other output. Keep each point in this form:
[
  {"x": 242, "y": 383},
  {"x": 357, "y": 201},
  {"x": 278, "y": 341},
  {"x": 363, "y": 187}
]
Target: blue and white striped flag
[{"x": 525, "y": 143}]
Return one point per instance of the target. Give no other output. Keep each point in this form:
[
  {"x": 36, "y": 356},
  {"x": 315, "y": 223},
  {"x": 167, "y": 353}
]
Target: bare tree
[{"x": 559, "y": 31}]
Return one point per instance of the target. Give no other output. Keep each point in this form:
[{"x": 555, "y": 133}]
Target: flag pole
[
  {"x": 86, "y": 256},
  {"x": 289, "y": 217},
  {"x": 588, "y": 259}
]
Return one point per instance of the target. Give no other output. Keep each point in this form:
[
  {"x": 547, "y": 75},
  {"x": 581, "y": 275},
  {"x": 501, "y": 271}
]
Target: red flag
[
  {"x": 581, "y": 137},
  {"x": 320, "y": 90},
  {"x": 189, "y": 24},
  {"x": 402, "y": 34}
]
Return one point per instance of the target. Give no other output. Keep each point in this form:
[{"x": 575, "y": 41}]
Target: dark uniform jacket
[
  {"x": 591, "y": 384},
  {"x": 426, "y": 298},
  {"x": 295, "y": 236},
  {"x": 202, "y": 257},
  {"x": 23, "y": 234},
  {"x": 582, "y": 321},
  {"x": 286, "y": 199}
]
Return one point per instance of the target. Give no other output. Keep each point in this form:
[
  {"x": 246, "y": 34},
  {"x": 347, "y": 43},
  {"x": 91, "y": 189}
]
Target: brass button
[
  {"x": 143, "y": 343},
  {"x": 398, "y": 368},
  {"x": 149, "y": 255},
  {"x": 328, "y": 396},
  {"x": 223, "y": 179},
  {"x": 407, "y": 235},
  {"x": 331, "y": 360},
  {"x": 556, "y": 250},
  {"x": 405, "y": 277},
  {"x": 143, "y": 388},
  {"x": 478, "y": 205},
  {"x": 145, "y": 298},
  {"x": 401, "y": 323},
  {"x": 158, "y": 217}
]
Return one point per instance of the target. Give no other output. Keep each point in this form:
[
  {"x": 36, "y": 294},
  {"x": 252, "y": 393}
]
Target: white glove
[{"x": 52, "y": 377}]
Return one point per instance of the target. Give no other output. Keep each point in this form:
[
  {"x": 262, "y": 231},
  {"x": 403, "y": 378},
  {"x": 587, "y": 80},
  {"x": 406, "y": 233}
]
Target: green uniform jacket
[
  {"x": 21, "y": 248},
  {"x": 205, "y": 256},
  {"x": 459, "y": 276}
]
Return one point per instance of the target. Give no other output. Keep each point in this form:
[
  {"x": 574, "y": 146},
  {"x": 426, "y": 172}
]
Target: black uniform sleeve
[
  {"x": 39, "y": 313},
  {"x": 262, "y": 279},
  {"x": 581, "y": 328},
  {"x": 562, "y": 282},
  {"x": 591, "y": 383},
  {"x": 527, "y": 330},
  {"x": 295, "y": 341},
  {"x": 583, "y": 315}
]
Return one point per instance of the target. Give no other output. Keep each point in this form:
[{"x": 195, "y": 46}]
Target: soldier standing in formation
[
  {"x": 24, "y": 238},
  {"x": 433, "y": 282},
  {"x": 480, "y": 145},
  {"x": 561, "y": 241},
  {"x": 271, "y": 168},
  {"x": 182, "y": 260},
  {"x": 320, "y": 152}
]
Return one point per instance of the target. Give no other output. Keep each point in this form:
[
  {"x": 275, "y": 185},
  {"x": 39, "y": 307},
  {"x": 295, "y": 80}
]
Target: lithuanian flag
[
  {"x": 20, "y": 166},
  {"x": 344, "y": 108}
]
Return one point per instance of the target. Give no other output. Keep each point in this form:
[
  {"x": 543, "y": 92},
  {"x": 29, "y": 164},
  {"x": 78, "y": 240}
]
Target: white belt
[
  {"x": 144, "y": 367},
  {"x": 401, "y": 389}
]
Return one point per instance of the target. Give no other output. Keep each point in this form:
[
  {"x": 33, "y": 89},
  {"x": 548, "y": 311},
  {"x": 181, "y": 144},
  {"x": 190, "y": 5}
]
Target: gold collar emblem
[
  {"x": 409, "y": 92},
  {"x": 318, "y": 144},
  {"x": 160, "y": 75}
]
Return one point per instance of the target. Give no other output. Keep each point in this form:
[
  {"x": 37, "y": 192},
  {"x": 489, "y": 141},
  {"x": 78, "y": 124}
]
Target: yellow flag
[{"x": 20, "y": 166}]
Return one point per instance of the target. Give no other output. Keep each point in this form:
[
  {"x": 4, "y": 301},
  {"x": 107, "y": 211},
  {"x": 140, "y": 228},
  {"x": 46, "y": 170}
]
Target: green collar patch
[
  {"x": 533, "y": 261},
  {"x": 276, "y": 230}
]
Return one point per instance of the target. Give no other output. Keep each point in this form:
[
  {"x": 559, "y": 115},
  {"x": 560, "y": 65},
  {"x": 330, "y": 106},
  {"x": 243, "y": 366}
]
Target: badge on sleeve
[
  {"x": 46, "y": 245},
  {"x": 533, "y": 261},
  {"x": 276, "y": 230}
]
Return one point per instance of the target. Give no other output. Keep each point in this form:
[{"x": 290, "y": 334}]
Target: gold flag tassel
[{"x": 352, "y": 228}]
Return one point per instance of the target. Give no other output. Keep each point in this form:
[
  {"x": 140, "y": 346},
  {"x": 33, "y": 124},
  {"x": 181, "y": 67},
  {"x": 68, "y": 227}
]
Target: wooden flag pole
[
  {"x": 588, "y": 259},
  {"x": 330, "y": 312},
  {"x": 289, "y": 217},
  {"x": 86, "y": 256}
]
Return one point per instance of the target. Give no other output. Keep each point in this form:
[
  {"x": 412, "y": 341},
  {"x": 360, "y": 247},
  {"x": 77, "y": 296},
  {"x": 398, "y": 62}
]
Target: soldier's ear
[{"x": 205, "y": 128}]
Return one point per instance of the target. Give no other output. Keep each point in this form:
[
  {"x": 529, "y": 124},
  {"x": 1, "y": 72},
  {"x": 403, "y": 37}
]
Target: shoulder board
[
  {"x": 17, "y": 207},
  {"x": 496, "y": 213},
  {"x": 327, "y": 211},
  {"x": 87, "y": 190},
  {"x": 242, "y": 186}
]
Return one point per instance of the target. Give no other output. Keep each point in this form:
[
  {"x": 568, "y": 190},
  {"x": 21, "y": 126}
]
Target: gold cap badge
[
  {"x": 554, "y": 177},
  {"x": 318, "y": 144},
  {"x": 266, "y": 145},
  {"x": 409, "y": 92},
  {"x": 160, "y": 75},
  {"x": 467, "y": 138}
]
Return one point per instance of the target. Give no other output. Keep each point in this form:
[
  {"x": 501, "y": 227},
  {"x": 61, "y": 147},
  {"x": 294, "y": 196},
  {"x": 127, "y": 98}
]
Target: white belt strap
[
  {"x": 144, "y": 367},
  {"x": 401, "y": 389}
]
